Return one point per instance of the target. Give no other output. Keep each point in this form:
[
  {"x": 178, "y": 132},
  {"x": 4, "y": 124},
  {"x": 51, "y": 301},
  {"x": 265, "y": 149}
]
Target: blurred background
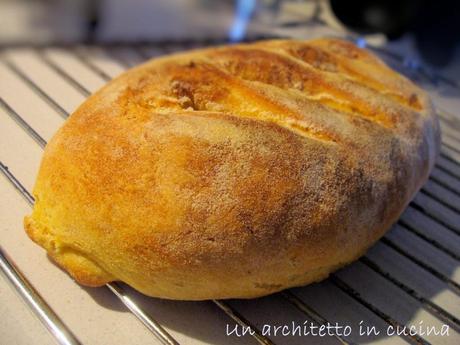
[{"x": 424, "y": 32}]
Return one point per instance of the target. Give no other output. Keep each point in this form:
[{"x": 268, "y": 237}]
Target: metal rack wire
[{"x": 431, "y": 221}]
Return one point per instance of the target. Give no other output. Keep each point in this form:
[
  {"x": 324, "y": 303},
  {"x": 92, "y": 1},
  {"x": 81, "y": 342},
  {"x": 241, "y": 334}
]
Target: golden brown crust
[{"x": 233, "y": 171}]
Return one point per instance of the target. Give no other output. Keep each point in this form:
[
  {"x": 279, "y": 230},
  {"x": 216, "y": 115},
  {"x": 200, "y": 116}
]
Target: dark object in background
[
  {"x": 94, "y": 8},
  {"x": 370, "y": 16},
  {"x": 434, "y": 24}
]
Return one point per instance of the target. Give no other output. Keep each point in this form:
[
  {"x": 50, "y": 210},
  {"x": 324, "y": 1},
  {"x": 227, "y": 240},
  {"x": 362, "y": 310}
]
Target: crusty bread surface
[{"x": 234, "y": 171}]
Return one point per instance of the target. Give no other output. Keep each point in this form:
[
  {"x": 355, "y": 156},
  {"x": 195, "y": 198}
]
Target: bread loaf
[{"x": 235, "y": 171}]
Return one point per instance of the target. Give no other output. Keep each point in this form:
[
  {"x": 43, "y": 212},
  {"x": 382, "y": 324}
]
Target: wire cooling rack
[{"x": 410, "y": 277}]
